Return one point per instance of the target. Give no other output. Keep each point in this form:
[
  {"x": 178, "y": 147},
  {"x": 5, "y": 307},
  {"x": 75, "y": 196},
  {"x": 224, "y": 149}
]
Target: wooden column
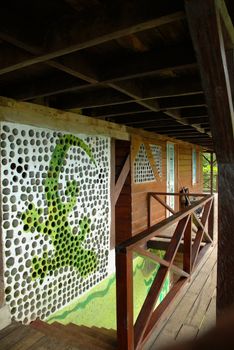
[
  {"x": 124, "y": 297},
  {"x": 211, "y": 221},
  {"x": 123, "y": 190},
  {"x": 187, "y": 256},
  {"x": 211, "y": 173},
  {"x": 212, "y": 34},
  {"x": 205, "y": 24},
  {"x": 225, "y": 282}
]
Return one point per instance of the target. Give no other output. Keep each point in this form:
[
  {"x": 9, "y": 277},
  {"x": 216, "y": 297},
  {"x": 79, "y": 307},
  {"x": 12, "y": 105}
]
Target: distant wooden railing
[{"x": 196, "y": 233}]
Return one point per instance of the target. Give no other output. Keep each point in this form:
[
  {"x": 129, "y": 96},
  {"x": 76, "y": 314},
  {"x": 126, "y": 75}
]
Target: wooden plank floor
[{"x": 194, "y": 311}]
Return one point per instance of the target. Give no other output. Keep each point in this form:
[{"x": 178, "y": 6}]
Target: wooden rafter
[
  {"x": 99, "y": 29},
  {"x": 133, "y": 92},
  {"x": 147, "y": 91}
]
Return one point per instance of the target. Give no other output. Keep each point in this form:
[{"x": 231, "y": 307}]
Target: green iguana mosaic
[{"x": 68, "y": 247}]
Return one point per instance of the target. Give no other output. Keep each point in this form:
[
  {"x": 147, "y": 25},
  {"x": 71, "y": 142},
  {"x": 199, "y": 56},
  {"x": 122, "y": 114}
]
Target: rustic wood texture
[
  {"x": 42, "y": 336},
  {"x": 139, "y": 191},
  {"x": 183, "y": 178},
  {"x": 148, "y": 317},
  {"x": 204, "y": 16},
  {"x": 191, "y": 313},
  {"x": 225, "y": 284},
  {"x": 124, "y": 296},
  {"x": 122, "y": 178},
  {"x": 187, "y": 253},
  {"x": 131, "y": 65},
  {"x": 195, "y": 299},
  {"x": 123, "y": 207}
]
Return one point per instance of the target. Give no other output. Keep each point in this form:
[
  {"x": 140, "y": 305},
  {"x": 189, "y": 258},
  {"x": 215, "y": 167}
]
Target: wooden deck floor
[{"x": 194, "y": 311}]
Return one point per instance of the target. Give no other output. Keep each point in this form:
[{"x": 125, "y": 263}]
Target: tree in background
[{"x": 207, "y": 172}]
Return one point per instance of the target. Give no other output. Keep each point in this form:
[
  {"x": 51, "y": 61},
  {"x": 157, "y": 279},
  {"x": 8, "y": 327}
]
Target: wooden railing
[{"x": 194, "y": 232}]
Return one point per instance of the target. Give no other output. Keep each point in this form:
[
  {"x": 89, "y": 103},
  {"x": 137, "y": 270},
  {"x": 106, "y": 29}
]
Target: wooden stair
[{"x": 79, "y": 337}]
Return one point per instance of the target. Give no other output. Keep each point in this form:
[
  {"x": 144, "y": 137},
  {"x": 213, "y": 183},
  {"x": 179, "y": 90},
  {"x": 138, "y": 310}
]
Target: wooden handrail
[
  {"x": 178, "y": 194},
  {"x": 130, "y": 336},
  {"x": 146, "y": 235}
]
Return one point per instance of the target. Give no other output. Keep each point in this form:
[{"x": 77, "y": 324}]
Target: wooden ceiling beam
[
  {"x": 182, "y": 57},
  {"x": 160, "y": 125},
  {"x": 91, "y": 99},
  {"x": 114, "y": 111},
  {"x": 182, "y": 133},
  {"x": 134, "y": 120},
  {"x": 169, "y": 131},
  {"x": 63, "y": 64},
  {"x": 194, "y": 112},
  {"x": 44, "y": 88},
  {"x": 171, "y": 87},
  {"x": 198, "y": 120},
  {"x": 111, "y": 24},
  {"x": 147, "y": 64},
  {"x": 11, "y": 55},
  {"x": 182, "y": 102},
  {"x": 143, "y": 123},
  {"x": 147, "y": 91}
]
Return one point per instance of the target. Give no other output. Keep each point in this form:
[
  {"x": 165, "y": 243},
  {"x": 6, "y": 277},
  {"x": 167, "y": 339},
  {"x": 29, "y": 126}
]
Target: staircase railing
[{"x": 194, "y": 232}]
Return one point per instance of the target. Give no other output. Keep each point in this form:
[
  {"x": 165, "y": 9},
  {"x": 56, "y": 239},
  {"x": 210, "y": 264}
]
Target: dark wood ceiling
[{"x": 125, "y": 61}]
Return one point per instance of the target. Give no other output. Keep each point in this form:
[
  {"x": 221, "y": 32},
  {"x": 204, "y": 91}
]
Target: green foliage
[{"x": 206, "y": 165}]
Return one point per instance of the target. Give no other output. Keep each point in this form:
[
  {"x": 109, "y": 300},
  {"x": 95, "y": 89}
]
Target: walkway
[{"x": 194, "y": 311}]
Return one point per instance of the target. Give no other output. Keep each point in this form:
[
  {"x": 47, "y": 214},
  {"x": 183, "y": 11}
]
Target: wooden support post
[
  {"x": 187, "y": 257},
  {"x": 149, "y": 198},
  {"x": 211, "y": 173},
  {"x": 207, "y": 19},
  {"x": 124, "y": 297},
  {"x": 205, "y": 25},
  {"x": 211, "y": 222},
  {"x": 225, "y": 278}
]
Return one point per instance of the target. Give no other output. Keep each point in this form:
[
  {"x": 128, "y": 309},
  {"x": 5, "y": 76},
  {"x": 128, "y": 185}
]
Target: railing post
[
  {"x": 211, "y": 221},
  {"x": 149, "y": 209},
  {"x": 124, "y": 298},
  {"x": 187, "y": 256},
  {"x": 211, "y": 173}
]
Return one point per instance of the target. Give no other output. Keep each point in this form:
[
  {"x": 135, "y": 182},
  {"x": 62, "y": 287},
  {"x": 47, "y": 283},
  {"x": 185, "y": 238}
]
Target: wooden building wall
[
  {"x": 185, "y": 168},
  {"x": 140, "y": 190},
  {"x": 183, "y": 178}
]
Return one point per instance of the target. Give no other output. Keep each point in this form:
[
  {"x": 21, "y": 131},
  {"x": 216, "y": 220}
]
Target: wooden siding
[
  {"x": 183, "y": 178},
  {"x": 185, "y": 168}
]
